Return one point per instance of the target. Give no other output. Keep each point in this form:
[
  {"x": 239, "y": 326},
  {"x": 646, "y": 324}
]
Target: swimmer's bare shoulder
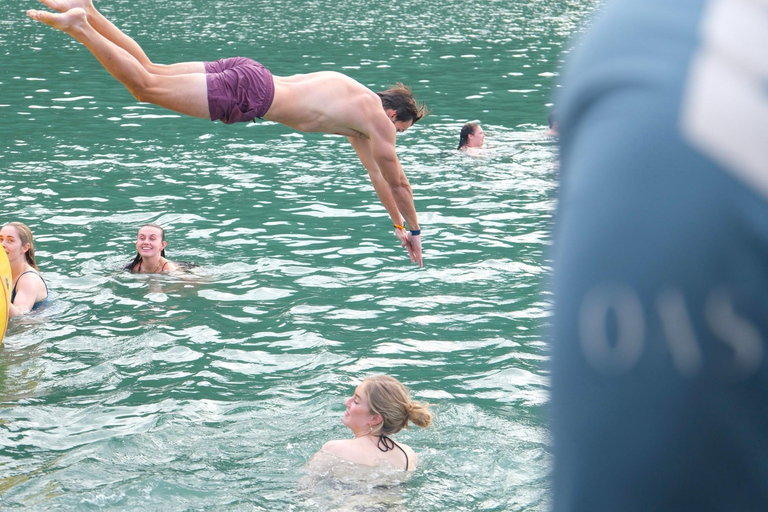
[
  {"x": 172, "y": 267},
  {"x": 413, "y": 459},
  {"x": 336, "y": 447},
  {"x": 348, "y": 450}
]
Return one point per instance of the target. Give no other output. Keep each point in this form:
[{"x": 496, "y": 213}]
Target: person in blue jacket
[{"x": 659, "y": 375}]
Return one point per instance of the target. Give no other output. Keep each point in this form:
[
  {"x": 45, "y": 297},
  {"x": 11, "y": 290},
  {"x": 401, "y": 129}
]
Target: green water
[{"x": 211, "y": 391}]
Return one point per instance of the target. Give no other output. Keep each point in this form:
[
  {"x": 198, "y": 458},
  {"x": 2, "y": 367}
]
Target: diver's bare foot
[
  {"x": 65, "y": 5},
  {"x": 65, "y": 22}
]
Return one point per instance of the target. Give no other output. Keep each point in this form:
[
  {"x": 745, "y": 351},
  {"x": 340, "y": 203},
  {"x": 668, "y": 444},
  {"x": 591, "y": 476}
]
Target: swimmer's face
[
  {"x": 477, "y": 139},
  {"x": 400, "y": 126},
  {"x": 358, "y": 416},
  {"x": 150, "y": 241},
  {"x": 9, "y": 236}
]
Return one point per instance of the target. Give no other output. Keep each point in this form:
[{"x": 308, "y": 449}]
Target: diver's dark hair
[
  {"x": 466, "y": 130},
  {"x": 400, "y": 99},
  {"x": 137, "y": 259}
]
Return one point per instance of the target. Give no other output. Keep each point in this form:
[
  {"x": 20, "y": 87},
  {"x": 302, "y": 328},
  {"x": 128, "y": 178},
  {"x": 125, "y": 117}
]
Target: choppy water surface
[{"x": 211, "y": 391}]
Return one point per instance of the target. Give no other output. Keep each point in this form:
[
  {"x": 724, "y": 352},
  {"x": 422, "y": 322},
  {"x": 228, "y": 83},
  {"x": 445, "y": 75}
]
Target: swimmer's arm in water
[
  {"x": 27, "y": 291},
  {"x": 15, "y": 310},
  {"x": 363, "y": 149}
]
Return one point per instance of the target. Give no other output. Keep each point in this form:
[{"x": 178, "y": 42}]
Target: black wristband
[{"x": 415, "y": 232}]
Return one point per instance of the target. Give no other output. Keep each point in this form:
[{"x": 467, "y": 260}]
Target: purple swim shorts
[{"x": 239, "y": 89}]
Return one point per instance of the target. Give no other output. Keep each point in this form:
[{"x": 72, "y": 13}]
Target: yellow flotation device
[{"x": 5, "y": 292}]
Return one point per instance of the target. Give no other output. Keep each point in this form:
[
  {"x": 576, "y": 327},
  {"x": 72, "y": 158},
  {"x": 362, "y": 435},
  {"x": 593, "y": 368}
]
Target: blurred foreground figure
[{"x": 660, "y": 386}]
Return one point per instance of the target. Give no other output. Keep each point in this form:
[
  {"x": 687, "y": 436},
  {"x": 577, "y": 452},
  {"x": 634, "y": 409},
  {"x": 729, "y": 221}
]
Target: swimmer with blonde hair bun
[{"x": 380, "y": 407}]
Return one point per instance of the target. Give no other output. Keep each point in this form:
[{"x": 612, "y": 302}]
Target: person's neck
[
  {"x": 150, "y": 265},
  {"x": 362, "y": 433},
  {"x": 19, "y": 266}
]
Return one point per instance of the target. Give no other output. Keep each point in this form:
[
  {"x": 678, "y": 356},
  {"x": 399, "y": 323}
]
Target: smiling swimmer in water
[{"x": 150, "y": 259}]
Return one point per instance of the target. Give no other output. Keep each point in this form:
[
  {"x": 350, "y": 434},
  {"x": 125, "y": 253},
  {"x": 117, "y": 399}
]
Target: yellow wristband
[{"x": 398, "y": 226}]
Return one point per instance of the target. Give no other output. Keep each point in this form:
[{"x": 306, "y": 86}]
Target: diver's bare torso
[{"x": 326, "y": 102}]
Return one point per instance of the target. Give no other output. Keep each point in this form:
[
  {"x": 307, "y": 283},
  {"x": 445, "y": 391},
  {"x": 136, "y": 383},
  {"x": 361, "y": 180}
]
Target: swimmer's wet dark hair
[
  {"x": 400, "y": 99},
  {"x": 466, "y": 130}
]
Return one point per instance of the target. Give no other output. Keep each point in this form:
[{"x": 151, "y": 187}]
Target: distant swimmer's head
[
  {"x": 471, "y": 136},
  {"x": 390, "y": 406},
  {"x": 401, "y": 106},
  {"x": 16, "y": 237},
  {"x": 554, "y": 127}
]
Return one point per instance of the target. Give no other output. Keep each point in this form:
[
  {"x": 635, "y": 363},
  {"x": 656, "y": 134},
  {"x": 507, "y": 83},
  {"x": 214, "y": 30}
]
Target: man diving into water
[{"x": 239, "y": 90}]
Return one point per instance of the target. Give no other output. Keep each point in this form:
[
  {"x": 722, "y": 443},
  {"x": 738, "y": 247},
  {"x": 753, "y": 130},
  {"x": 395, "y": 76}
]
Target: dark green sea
[{"x": 211, "y": 390}]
